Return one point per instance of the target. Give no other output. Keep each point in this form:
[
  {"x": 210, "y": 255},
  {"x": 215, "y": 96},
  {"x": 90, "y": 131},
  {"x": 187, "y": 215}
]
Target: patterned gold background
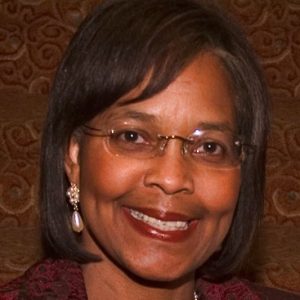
[{"x": 33, "y": 36}]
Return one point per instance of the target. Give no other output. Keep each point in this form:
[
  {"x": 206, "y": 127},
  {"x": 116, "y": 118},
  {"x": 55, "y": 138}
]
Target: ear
[{"x": 72, "y": 167}]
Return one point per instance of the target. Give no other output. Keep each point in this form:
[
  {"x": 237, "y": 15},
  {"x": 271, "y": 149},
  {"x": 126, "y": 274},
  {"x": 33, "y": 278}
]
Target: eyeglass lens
[{"x": 217, "y": 148}]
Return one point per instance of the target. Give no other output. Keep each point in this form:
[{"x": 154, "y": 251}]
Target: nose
[{"x": 170, "y": 171}]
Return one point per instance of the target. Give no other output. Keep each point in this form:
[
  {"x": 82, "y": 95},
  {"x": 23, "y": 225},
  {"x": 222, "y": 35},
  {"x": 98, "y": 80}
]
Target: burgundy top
[{"x": 63, "y": 279}]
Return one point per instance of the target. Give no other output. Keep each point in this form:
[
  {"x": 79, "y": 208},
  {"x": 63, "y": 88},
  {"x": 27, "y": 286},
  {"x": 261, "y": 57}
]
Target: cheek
[
  {"x": 218, "y": 194},
  {"x": 219, "y": 191},
  {"x": 106, "y": 174}
]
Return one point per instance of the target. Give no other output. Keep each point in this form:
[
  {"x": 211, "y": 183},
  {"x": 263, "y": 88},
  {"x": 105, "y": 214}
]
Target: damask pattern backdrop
[{"x": 33, "y": 36}]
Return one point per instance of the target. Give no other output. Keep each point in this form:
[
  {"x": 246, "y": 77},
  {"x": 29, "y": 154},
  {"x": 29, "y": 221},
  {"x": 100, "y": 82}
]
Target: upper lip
[{"x": 162, "y": 215}]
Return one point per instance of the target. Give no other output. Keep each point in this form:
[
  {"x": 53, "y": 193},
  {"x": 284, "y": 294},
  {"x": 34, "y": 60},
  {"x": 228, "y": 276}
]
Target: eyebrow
[
  {"x": 145, "y": 117},
  {"x": 136, "y": 115},
  {"x": 218, "y": 126}
]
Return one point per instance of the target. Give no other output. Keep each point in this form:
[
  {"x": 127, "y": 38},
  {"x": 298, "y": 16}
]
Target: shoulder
[
  {"x": 236, "y": 288},
  {"x": 48, "y": 278}
]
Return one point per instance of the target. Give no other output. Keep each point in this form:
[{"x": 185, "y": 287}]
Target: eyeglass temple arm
[{"x": 86, "y": 128}]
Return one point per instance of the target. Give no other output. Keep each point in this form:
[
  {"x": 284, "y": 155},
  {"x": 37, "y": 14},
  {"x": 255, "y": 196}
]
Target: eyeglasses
[{"x": 216, "y": 148}]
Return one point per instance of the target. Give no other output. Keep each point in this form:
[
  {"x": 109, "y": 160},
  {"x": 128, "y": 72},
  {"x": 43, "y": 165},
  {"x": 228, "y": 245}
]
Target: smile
[{"x": 159, "y": 224}]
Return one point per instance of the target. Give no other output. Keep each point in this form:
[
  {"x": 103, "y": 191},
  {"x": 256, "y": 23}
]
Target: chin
[{"x": 158, "y": 274}]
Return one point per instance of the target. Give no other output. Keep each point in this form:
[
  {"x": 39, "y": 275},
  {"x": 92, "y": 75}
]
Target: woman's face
[{"x": 160, "y": 217}]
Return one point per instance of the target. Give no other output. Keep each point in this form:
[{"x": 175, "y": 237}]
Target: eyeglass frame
[{"x": 163, "y": 140}]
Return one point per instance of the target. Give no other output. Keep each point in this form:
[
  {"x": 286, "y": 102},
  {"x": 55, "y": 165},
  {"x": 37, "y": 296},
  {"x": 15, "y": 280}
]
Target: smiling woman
[
  {"x": 155, "y": 207},
  {"x": 153, "y": 153}
]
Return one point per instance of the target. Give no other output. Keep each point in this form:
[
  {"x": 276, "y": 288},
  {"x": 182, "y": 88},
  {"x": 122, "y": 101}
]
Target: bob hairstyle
[{"x": 119, "y": 45}]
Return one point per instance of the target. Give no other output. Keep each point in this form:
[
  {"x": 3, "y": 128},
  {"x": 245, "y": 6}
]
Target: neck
[{"x": 105, "y": 280}]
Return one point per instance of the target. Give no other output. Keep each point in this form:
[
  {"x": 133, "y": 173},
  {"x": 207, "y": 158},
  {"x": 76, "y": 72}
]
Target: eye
[
  {"x": 131, "y": 140},
  {"x": 209, "y": 148},
  {"x": 130, "y": 136}
]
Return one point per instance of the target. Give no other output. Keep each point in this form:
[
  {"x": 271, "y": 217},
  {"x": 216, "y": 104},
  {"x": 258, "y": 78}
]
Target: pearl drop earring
[{"x": 76, "y": 220}]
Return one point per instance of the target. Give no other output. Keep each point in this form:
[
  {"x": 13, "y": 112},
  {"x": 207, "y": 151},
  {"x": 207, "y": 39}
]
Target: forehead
[{"x": 200, "y": 94}]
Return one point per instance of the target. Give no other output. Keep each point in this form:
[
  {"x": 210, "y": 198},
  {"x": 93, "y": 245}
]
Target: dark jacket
[{"x": 63, "y": 279}]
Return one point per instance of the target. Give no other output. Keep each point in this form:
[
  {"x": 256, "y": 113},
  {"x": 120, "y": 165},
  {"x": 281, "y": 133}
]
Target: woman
[{"x": 156, "y": 132}]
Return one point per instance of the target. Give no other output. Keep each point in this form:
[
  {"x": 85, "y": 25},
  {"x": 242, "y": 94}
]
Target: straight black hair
[{"x": 115, "y": 49}]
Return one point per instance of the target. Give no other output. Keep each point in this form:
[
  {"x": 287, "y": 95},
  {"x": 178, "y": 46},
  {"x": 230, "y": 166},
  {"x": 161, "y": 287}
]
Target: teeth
[{"x": 159, "y": 224}]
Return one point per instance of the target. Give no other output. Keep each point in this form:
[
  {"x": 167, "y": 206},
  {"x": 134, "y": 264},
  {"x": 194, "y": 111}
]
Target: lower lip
[{"x": 168, "y": 236}]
